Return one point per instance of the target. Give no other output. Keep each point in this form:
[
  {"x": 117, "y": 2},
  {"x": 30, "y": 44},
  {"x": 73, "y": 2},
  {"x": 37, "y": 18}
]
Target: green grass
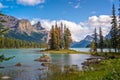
[
  {"x": 106, "y": 70},
  {"x": 64, "y": 51}
]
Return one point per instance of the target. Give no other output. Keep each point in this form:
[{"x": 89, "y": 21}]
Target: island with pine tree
[{"x": 60, "y": 40}]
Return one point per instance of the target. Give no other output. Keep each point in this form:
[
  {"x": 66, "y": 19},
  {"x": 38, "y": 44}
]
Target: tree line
[
  {"x": 114, "y": 41},
  {"x": 6, "y": 42},
  {"x": 60, "y": 37}
]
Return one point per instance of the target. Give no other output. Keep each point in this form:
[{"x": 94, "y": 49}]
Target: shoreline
[{"x": 64, "y": 51}]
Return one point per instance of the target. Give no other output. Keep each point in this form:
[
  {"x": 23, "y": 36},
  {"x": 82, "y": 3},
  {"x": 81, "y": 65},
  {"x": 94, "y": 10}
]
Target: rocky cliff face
[
  {"x": 25, "y": 26},
  {"x": 22, "y": 29},
  {"x": 9, "y": 22}
]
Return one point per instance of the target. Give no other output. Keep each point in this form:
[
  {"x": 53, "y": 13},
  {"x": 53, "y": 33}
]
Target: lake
[{"x": 29, "y": 69}]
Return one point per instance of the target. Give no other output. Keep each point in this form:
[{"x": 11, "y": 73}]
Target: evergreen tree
[
  {"x": 61, "y": 36},
  {"x": 92, "y": 48},
  {"x": 67, "y": 38},
  {"x": 51, "y": 41},
  {"x": 57, "y": 37},
  {"x": 95, "y": 41},
  {"x": 108, "y": 44},
  {"x": 114, "y": 30},
  {"x": 101, "y": 42},
  {"x": 119, "y": 28}
]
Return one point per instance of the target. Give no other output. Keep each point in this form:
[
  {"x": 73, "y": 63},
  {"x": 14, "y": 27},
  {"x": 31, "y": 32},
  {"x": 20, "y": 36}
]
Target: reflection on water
[{"x": 32, "y": 70}]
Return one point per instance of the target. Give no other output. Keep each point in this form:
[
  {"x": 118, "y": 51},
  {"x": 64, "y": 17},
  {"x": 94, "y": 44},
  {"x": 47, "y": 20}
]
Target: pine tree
[
  {"x": 108, "y": 44},
  {"x": 95, "y": 41},
  {"x": 101, "y": 42},
  {"x": 67, "y": 38},
  {"x": 114, "y": 30},
  {"x": 51, "y": 41},
  {"x": 119, "y": 28},
  {"x": 92, "y": 48},
  {"x": 61, "y": 36},
  {"x": 57, "y": 37}
]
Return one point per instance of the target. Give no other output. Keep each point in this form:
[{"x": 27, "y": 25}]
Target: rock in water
[
  {"x": 43, "y": 58},
  {"x": 2, "y": 67},
  {"x": 18, "y": 64},
  {"x": 45, "y": 64},
  {"x": 5, "y": 77}
]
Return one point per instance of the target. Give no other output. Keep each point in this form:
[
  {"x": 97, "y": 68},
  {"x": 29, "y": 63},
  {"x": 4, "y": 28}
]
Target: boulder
[
  {"x": 44, "y": 58},
  {"x": 18, "y": 64},
  {"x": 45, "y": 64}
]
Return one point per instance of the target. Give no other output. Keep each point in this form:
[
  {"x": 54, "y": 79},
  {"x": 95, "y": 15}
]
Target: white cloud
[
  {"x": 2, "y": 6},
  {"x": 81, "y": 30},
  {"x": 77, "y": 6},
  {"x": 102, "y": 21},
  {"x": 30, "y": 2}
]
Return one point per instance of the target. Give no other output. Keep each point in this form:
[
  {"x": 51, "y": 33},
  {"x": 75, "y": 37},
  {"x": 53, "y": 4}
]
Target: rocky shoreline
[{"x": 93, "y": 60}]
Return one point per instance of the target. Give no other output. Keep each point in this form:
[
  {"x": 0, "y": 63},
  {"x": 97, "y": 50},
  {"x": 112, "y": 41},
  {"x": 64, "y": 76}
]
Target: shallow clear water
[
  {"x": 29, "y": 69},
  {"x": 88, "y": 49}
]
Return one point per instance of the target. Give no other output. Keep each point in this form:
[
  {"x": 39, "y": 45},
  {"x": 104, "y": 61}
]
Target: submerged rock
[
  {"x": 2, "y": 67},
  {"x": 18, "y": 64}
]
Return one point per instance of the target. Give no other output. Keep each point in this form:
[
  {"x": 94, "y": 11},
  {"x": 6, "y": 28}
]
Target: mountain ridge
[{"x": 23, "y": 30}]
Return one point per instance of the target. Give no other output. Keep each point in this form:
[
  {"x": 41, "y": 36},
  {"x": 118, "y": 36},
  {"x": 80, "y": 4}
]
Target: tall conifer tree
[
  {"x": 67, "y": 38},
  {"x": 101, "y": 42},
  {"x": 95, "y": 41},
  {"x": 119, "y": 27},
  {"x": 114, "y": 30}
]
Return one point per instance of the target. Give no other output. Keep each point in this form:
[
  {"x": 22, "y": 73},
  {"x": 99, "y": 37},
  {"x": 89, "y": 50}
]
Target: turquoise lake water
[{"x": 29, "y": 69}]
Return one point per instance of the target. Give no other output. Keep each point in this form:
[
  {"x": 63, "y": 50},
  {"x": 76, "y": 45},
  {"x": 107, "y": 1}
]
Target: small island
[
  {"x": 60, "y": 40},
  {"x": 64, "y": 51}
]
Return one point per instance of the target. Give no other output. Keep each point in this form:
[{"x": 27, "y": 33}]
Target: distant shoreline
[{"x": 64, "y": 51}]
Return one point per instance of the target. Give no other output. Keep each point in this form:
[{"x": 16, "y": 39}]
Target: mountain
[
  {"x": 85, "y": 42},
  {"x": 108, "y": 36},
  {"x": 38, "y": 26},
  {"x": 23, "y": 30}
]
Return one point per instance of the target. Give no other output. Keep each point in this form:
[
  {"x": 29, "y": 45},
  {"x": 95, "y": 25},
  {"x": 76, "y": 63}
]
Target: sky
[{"x": 81, "y": 16}]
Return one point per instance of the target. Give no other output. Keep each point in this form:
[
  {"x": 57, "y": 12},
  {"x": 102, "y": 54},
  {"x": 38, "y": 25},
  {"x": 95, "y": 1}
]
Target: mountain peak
[
  {"x": 38, "y": 26},
  {"x": 89, "y": 38}
]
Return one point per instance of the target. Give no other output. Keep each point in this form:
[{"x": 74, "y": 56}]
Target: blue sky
[
  {"x": 72, "y": 10},
  {"x": 81, "y": 16}
]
